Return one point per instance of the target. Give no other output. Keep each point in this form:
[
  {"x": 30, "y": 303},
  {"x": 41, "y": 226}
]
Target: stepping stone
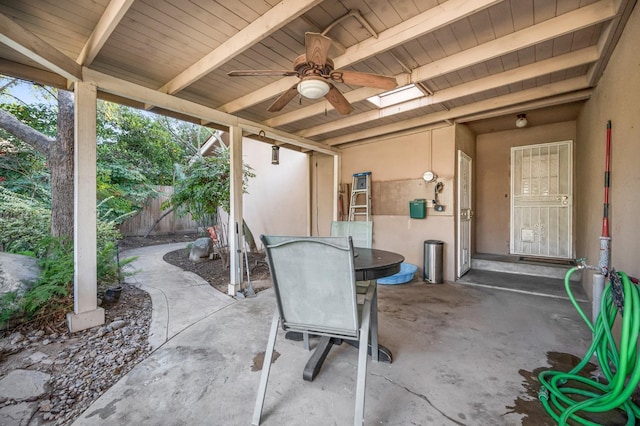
[
  {"x": 19, "y": 414},
  {"x": 24, "y": 385}
]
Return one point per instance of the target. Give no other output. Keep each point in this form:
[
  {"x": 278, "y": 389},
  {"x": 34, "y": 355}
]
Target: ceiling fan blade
[
  {"x": 317, "y": 47},
  {"x": 364, "y": 79},
  {"x": 284, "y": 99},
  {"x": 339, "y": 102},
  {"x": 251, "y": 73}
]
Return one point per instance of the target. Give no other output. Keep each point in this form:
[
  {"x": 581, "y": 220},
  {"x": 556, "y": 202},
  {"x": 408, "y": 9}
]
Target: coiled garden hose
[{"x": 568, "y": 395}]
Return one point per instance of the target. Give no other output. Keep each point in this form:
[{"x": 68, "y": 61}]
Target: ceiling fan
[{"x": 316, "y": 74}]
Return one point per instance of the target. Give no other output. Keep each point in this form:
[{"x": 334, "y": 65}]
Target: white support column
[
  {"x": 236, "y": 234},
  {"x": 311, "y": 158},
  {"x": 86, "y": 313},
  {"x": 336, "y": 185}
]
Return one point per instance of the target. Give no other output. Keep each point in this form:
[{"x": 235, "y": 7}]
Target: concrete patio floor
[{"x": 462, "y": 356}]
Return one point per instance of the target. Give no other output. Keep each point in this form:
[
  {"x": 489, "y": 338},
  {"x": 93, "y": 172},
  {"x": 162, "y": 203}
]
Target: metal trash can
[{"x": 432, "y": 271}]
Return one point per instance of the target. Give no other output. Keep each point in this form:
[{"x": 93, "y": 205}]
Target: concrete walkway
[
  {"x": 462, "y": 356},
  {"x": 180, "y": 298}
]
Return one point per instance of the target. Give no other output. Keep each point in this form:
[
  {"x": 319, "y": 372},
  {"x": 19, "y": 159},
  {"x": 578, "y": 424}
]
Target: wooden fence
[{"x": 170, "y": 224}]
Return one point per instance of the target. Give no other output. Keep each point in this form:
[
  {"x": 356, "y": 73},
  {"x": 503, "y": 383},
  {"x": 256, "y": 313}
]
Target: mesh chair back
[
  {"x": 314, "y": 282},
  {"x": 361, "y": 232}
]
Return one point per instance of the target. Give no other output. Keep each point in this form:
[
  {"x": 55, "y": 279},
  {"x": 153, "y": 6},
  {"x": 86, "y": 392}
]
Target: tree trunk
[
  {"x": 146, "y": 234},
  {"x": 61, "y": 166}
]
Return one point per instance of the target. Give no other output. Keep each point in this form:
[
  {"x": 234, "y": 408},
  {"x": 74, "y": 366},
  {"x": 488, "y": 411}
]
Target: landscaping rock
[
  {"x": 200, "y": 249},
  {"x": 17, "y": 273},
  {"x": 18, "y": 414},
  {"x": 24, "y": 385}
]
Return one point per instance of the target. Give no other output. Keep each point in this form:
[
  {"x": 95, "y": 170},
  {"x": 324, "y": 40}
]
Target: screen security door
[
  {"x": 541, "y": 200},
  {"x": 464, "y": 214}
]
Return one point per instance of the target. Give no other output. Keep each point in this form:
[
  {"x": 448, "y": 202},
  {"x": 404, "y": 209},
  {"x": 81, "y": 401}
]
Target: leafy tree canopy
[{"x": 204, "y": 186}]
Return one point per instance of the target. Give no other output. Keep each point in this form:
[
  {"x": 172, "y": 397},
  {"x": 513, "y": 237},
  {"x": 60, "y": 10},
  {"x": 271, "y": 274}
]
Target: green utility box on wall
[{"x": 418, "y": 208}]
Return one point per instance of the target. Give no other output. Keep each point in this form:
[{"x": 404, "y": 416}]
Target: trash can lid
[{"x": 434, "y": 242}]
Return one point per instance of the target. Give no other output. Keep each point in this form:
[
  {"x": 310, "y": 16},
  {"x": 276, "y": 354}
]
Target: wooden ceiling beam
[
  {"x": 276, "y": 18},
  {"x": 426, "y": 22},
  {"x": 37, "y": 75},
  {"x": 38, "y": 50},
  {"x": 569, "y": 22},
  {"x": 547, "y": 91},
  {"x": 431, "y": 20},
  {"x": 145, "y": 95},
  {"x": 609, "y": 39},
  {"x": 580, "y": 95},
  {"x": 583, "y": 17},
  {"x": 536, "y": 69},
  {"x": 108, "y": 22}
]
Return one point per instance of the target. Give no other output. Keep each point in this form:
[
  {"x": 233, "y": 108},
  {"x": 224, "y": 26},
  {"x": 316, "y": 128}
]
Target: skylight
[{"x": 396, "y": 96}]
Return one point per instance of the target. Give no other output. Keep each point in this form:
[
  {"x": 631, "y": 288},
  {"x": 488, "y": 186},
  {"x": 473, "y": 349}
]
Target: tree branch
[{"x": 25, "y": 133}]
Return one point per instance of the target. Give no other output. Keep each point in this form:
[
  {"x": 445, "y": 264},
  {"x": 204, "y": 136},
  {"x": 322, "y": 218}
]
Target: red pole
[
  {"x": 605, "y": 217},
  {"x": 605, "y": 239}
]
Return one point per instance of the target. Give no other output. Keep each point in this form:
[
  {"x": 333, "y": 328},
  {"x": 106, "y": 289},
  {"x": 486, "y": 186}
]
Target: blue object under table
[{"x": 407, "y": 271}]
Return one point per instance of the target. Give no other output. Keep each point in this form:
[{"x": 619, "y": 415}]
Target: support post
[
  {"x": 336, "y": 186},
  {"x": 236, "y": 237},
  {"x": 86, "y": 313}
]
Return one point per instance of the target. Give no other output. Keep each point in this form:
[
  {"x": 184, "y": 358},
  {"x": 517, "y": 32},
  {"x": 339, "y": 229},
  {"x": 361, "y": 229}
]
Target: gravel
[{"x": 82, "y": 365}]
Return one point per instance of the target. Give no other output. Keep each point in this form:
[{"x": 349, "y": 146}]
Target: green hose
[{"x": 559, "y": 394}]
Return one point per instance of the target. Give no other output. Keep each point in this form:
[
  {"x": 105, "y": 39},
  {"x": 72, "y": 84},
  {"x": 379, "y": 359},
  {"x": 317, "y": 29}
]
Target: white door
[
  {"x": 541, "y": 200},
  {"x": 464, "y": 213}
]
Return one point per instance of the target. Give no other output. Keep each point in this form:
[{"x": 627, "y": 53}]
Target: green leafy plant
[
  {"x": 110, "y": 266},
  {"x": 55, "y": 282},
  {"x": 24, "y": 221},
  {"x": 203, "y": 187},
  {"x": 24, "y": 229},
  {"x": 9, "y": 306}
]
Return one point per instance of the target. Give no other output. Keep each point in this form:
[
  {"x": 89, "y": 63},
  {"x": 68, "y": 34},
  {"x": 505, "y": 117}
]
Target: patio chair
[
  {"x": 314, "y": 283},
  {"x": 361, "y": 232}
]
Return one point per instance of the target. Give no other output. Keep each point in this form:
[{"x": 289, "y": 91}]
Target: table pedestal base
[{"x": 321, "y": 351}]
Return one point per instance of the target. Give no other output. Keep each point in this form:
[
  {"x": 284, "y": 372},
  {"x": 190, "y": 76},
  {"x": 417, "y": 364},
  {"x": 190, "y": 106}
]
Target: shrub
[
  {"x": 23, "y": 222},
  {"x": 56, "y": 279},
  {"x": 24, "y": 229}
]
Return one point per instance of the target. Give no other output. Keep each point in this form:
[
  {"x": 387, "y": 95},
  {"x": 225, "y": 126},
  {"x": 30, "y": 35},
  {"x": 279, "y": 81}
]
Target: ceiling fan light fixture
[
  {"x": 313, "y": 88},
  {"x": 521, "y": 121}
]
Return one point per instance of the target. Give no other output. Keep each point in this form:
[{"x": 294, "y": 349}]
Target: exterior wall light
[
  {"x": 521, "y": 121},
  {"x": 275, "y": 154}
]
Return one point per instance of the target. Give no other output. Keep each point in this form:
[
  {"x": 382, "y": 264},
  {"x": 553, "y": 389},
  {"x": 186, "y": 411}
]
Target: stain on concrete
[
  {"x": 534, "y": 413},
  {"x": 105, "y": 412},
  {"x": 258, "y": 360}
]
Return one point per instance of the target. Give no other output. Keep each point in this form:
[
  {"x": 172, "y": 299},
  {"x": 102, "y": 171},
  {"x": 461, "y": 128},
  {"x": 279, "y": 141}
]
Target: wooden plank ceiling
[{"x": 471, "y": 59}]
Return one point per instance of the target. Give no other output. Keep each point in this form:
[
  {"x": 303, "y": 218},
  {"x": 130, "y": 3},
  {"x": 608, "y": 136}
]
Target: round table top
[{"x": 372, "y": 264}]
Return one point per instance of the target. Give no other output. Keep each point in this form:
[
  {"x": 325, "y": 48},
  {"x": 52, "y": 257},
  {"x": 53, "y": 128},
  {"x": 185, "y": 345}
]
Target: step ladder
[{"x": 360, "y": 203}]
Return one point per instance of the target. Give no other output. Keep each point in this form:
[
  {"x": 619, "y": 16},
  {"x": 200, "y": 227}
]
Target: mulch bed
[{"x": 212, "y": 271}]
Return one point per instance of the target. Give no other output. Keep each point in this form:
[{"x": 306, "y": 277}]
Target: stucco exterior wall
[
  {"x": 321, "y": 178},
  {"x": 403, "y": 158},
  {"x": 616, "y": 99},
  {"x": 492, "y": 172},
  {"x": 276, "y": 202}
]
